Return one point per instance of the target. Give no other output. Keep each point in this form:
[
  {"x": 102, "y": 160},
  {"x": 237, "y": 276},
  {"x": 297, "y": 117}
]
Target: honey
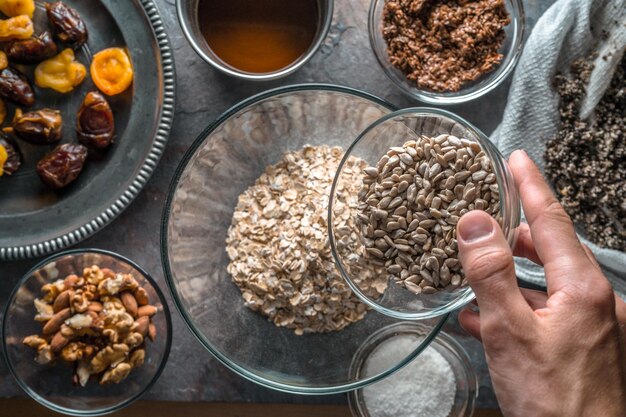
[{"x": 258, "y": 36}]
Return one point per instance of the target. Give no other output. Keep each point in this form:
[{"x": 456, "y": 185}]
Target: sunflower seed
[
  {"x": 384, "y": 202},
  {"x": 395, "y": 202},
  {"x": 394, "y": 269},
  {"x": 415, "y": 289},
  {"x": 391, "y": 226},
  {"x": 375, "y": 252}
]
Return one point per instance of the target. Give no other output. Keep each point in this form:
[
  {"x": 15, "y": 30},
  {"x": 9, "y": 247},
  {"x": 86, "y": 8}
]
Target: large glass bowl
[
  {"x": 511, "y": 50},
  {"x": 51, "y": 385},
  {"x": 394, "y": 129},
  {"x": 226, "y": 159}
]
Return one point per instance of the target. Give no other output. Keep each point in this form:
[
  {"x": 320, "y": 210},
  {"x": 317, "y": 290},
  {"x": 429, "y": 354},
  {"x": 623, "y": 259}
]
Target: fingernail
[
  {"x": 521, "y": 152},
  {"x": 474, "y": 227}
]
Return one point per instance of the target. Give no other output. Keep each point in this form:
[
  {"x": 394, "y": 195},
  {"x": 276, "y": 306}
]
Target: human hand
[{"x": 557, "y": 354}]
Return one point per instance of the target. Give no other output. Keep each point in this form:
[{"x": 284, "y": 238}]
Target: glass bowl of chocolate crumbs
[
  {"x": 422, "y": 169},
  {"x": 86, "y": 332},
  {"x": 446, "y": 52}
]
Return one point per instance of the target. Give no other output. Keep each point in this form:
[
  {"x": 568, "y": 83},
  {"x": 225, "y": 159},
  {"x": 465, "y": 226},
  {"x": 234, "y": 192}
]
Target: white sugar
[{"x": 426, "y": 387}]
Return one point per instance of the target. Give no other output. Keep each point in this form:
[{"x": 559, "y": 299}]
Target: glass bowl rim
[
  {"x": 98, "y": 412},
  {"x": 182, "y": 166},
  {"x": 323, "y": 30},
  {"x": 468, "y": 294},
  {"x": 442, "y": 338},
  {"x": 458, "y": 97}
]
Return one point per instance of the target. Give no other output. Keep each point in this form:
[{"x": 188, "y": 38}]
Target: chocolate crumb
[{"x": 442, "y": 45}]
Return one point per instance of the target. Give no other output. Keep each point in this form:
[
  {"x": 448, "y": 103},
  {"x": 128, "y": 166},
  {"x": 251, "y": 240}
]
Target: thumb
[{"x": 487, "y": 262}]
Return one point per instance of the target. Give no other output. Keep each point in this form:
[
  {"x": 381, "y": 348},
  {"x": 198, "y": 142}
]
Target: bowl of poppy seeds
[
  {"x": 586, "y": 159},
  {"x": 446, "y": 52}
]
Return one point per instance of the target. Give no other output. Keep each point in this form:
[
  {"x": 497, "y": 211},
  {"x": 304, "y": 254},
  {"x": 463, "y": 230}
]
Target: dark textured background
[{"x": 345, "y": 58}]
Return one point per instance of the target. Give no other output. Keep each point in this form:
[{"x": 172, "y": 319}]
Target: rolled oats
[{"x": 280, "y": 257}]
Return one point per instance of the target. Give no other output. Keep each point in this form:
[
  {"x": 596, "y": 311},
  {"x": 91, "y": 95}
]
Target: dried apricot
[
  {"x": 18, "y": 27},
  {"x": 61, "y": 73},
  {"x": 4, "y": 155},
  {"x": 4, "y": 62},
  {"x": 112, "y": 71},
  {"x": 14, "y": 8}
]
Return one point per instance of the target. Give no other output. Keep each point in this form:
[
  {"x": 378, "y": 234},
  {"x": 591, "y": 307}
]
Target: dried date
[
  {"x": 40, "y": 127},
  {"x": 13, "y": 160},
  {"x": 95, "y": 125},
  {"x": 14, "y": 86},
  {"x": 62, "y": 165},
  {"x": 32, "y": 50},
  {"x": 68, "y": 26}
]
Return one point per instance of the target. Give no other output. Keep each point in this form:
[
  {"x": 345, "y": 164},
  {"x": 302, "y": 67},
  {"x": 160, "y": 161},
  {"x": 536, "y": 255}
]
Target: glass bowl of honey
[{"x": 258, "y": 41}]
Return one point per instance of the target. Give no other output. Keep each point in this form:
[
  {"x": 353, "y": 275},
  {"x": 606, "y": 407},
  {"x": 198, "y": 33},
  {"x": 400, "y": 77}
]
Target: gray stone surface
[{"x": 192, "y": 374}]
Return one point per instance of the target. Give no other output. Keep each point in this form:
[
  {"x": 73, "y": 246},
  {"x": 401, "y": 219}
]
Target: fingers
[
  {"x": 591, "y": 257},
  {"x": 524, "y": 246},
  {"x": 470, "y": 321},
  {"x": 488, "y": 264},
  {"x": 535, "y": 299},
  {"x": 553, "y": 234}
]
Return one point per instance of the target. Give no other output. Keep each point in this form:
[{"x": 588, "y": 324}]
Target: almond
[
  {"x": 130, "y": 303},
  {"x": 141, "y": 295},
  {"x": 62, "y": 301},
  {"x": 107, "y": 273},
  {"x": 147, "y": 310},
  {"x": 141, "y": 325},
  {"x": 152, "y": 331},
  {"x": 54, "y": 324},
  {"x": 58, "y": 342},
  {"x": 70, "y": 281},
  {"x": 95, "y": 306}
]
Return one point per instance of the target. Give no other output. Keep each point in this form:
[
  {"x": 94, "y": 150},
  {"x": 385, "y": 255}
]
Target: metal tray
[{"x": 35, "y": 220}]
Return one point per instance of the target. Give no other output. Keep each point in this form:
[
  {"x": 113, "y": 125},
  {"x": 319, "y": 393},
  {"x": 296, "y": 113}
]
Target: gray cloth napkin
[{"x": 567, "y": 31}]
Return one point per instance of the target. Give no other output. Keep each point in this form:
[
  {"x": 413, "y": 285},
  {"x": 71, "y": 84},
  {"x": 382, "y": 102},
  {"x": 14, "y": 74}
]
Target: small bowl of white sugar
[{"x": 439, "y": 382}]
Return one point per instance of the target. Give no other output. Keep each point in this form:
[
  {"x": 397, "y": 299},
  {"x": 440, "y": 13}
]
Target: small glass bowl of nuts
[
  {"x": 86, "y": 332},
  {"x": 421, "y": 170}
]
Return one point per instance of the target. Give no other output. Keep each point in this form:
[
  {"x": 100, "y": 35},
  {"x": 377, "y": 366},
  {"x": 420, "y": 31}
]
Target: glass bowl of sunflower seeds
[{"x": 421, "y": 170}]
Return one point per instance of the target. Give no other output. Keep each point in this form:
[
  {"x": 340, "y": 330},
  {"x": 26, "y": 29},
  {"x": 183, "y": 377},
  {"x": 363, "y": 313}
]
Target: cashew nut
[{"x": 79, "y": 302}]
